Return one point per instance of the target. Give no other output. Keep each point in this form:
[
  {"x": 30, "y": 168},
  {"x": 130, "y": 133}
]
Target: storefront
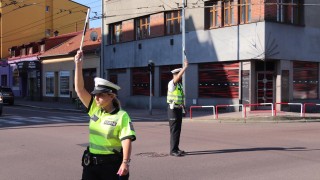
[{"x": 26, "y": 77}]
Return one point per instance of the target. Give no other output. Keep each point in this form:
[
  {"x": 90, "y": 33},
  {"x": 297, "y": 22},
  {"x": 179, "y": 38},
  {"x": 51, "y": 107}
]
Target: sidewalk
[
  {"x": 161, "y": 114},
  {"x": 46, "y": 105}
]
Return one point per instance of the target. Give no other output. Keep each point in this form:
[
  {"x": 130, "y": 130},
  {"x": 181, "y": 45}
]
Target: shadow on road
[{"x": 248, "y": 150}]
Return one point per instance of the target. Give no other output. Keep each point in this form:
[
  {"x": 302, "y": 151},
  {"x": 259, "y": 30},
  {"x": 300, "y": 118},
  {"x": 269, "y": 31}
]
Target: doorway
[
  {"x": 265, "y": 80},
  {"x": 265, "y": 87}
]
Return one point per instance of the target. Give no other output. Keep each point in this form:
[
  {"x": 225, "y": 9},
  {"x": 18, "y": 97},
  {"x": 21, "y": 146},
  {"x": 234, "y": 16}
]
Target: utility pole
[
  {"x": 183, "y": 47},
  {"x": 102, "y": 43},
  {"x": 150, "y": 68}
]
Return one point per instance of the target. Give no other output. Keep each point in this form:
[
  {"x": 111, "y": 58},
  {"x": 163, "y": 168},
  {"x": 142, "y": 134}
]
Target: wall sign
[{"x": 28, "y": 65}]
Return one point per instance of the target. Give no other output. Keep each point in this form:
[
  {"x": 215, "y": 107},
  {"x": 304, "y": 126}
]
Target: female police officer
[{"x": 111, "y": 130}]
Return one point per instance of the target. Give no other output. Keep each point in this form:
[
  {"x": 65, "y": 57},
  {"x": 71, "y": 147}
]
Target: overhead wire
[
  {"x": 117, "y": 15},
  {"x": 37, "y": 34},
  {"x": 40, "y": 22},
  {"x": 5, "y": 35}
]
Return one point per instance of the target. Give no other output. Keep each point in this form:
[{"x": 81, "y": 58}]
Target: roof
[
  {"x": 57, "y": 40},
  {"x": 72, "y": 45},
  {"x": 49, "y": 43}
]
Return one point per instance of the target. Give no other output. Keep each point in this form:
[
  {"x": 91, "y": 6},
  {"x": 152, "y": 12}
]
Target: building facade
[
  {"x": 25, "y": 69},
  {"x": 27, "y": 30},
  {"x": 239, "y": 51},
  {"x": 23, "y": 22},
  {"x": 57, "y": 69}
]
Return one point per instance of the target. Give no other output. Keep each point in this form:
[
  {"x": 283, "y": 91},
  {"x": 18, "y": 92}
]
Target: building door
[
  {"x": 88, "y": 77},
  {"x": 265, "y": 87},
  {"x": 24, "y": 83}
]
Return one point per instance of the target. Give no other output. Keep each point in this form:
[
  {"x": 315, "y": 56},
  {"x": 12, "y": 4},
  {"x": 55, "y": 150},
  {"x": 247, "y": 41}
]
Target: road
[
  {"x": 52, "y": 150},
  {"x": 22, "y": 116}
]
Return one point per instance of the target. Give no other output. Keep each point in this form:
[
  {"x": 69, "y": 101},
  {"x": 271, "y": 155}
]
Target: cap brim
[{"x": 94, "y": 92}]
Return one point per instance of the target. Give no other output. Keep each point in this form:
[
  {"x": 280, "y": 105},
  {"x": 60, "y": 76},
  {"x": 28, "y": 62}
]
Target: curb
[{"x": 252, "y": 120}]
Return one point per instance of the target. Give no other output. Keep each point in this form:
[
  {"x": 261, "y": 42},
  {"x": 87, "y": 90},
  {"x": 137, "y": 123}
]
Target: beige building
[{"x": 58, "y": 67}]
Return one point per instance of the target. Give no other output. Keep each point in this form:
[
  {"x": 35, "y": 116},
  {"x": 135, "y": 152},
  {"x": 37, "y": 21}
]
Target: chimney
[{"x": 56, "y": 33}]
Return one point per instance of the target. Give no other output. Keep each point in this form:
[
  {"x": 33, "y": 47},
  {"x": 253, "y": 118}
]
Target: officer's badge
[
  {"x": 110, "y": 123},
  {"x": 131, "y": 126},
  {"x": 94, "y": 118}
]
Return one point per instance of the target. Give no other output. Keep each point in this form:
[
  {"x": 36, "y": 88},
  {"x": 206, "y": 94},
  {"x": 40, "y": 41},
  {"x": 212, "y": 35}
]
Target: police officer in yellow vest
[
  {"x": 110, "y": 130},
  {"x": 175, "y": 99}
]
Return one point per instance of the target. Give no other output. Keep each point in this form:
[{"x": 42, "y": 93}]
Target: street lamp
[{"x": 151, "y": 70}]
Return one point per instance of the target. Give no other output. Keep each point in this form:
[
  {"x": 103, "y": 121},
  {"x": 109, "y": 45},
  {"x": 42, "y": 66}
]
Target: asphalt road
[{"x": 221, "y": 151}]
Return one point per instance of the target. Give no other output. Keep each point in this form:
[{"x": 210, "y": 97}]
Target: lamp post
[{"x": 150, "y": 68}]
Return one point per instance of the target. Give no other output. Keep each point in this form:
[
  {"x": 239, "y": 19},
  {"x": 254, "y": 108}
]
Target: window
[
  {"x": 23, "y": 51},
  {"x": 142, "y": 28},
  {"x": 173, "y": 22},
  {"x": 245, "y": 11},
  {"x": 141, "y": 81},
  {"x": 47, "y": 8},
  {"x": 48, "y": 32},
  {"x": 50, "y": 83},
  {"x": 42, "y": 48},
  {"x": 219, "y": 80},
  {"x": 228, "y": 13},
  {"x": 305, "y": 80},
  {"x": 288, "y": 11},
  {"x": 15, "y": 78},
  {"x": 64, "y": 77},
  {"x": 211, "y": 14},
  {"x": 116, "y": 33},
  {"x": 12, "y": 52},
  {"x": 30, "y": 50}
]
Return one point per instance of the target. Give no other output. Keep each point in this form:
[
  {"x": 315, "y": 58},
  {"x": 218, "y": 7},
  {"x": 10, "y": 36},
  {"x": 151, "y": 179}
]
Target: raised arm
[
  {"x": 82, "y": 93},
  {"x": 177, "y": 78}
]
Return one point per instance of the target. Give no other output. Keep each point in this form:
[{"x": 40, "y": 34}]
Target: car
[
  {"x": 7, "y": 95},
  {"x": 1, "y": 105}
]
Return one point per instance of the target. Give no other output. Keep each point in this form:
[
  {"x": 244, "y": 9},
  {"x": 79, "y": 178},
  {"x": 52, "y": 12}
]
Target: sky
[{"x": 95, "y": 11}]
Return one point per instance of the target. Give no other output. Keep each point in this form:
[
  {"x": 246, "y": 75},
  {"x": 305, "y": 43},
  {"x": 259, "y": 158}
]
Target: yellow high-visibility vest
[
  {"x": 108, "y": 130},
  {"x": 176, "y": 96}
]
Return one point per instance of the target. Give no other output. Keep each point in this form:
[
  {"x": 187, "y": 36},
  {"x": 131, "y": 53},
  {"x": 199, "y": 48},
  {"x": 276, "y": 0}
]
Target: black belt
[
  {"x": 94, "y": 159},
  {"x": 101, "y": 159}
]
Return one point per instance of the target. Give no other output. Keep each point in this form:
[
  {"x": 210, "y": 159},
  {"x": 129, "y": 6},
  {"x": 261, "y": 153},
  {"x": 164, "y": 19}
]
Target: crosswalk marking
[
  {"x": 22, "y": 120},
  {"x": 12, "y": 120}
]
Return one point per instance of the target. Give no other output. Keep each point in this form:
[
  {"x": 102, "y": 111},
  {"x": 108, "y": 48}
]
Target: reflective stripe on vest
[{"x": 176, "y": 96}]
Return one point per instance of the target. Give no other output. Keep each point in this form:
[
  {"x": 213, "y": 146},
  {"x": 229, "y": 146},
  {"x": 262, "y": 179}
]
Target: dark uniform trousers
[
  {"x": 175, "y": 123},
  {"x": 103, "y": 171}
]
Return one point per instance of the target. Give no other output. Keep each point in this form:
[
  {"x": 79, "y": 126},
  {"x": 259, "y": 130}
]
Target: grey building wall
[
  {"x": 128, "y": 9},
  {"x": 311, "y": 13},
  {"x": 225, "y": 44},
  {"x": 246, "y": 43},
  {"x": 292, "y": 42}
]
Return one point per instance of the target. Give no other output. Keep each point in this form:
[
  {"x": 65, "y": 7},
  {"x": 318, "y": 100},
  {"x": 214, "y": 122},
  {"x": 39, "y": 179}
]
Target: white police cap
[
  {"x": 176, "y": 70},
  {"x": 104, "y": 86}
]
